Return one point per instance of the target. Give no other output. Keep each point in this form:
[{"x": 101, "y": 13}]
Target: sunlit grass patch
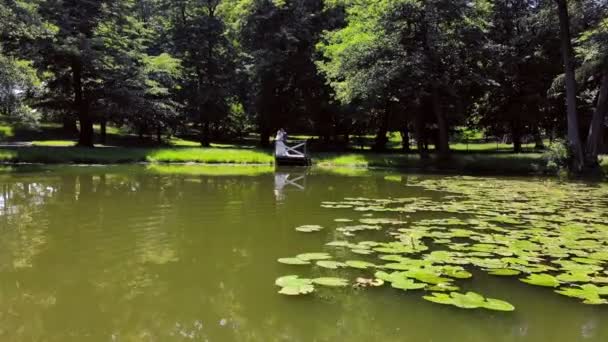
[
  {"x": 56, "y": 143},
  {"x": 178, "y": 142},
  {"x": 341, "y": 160},
  {"x": 210, "y": 155}
]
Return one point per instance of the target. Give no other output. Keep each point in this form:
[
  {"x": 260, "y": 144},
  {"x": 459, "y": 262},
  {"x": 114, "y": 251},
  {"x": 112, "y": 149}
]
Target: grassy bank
[
  {"x": 120, "y": 155},
  {"x": 469, "y": 162},
  {"x": 466, "y": 162}
]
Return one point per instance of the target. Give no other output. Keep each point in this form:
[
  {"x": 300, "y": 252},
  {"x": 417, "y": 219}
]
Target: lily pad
[
  {"x": 293, "y": 261},
  {"x": 407, "y": 284},
  {"x": 505, "y": 272},
  {"x": 313, "y": 256},
  {"x": 330, "y": 281},
  {"x": 330, "y": 264},
  {"x": 542, "y": 279},
  {"x": 498, "y": 305},
  {"x": 470, "y": 300},
  {"x": 293, "y": 285},
  {"x": 588, "y": 292},
  {"x": 309, "y": 228},
  {"x": 359, "y": 264}
]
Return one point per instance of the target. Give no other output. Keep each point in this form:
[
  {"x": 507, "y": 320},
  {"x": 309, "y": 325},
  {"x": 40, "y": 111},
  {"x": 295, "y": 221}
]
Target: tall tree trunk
[
  {"x": 264, "y": 137},
  {"x": 159, "y": 134},
  {"x": 574, "y": 139},
  {"x": 381, "y": 139},
  {"x": 85, "y": 138},
  {"x": 419, "y": 132},
  {"x": 443, "y": 142},
  {"x": 516, "y": 136},
  {"x": 595, "y": 136},
  {"x": 205, "y": 132},
  {"x": 69, "y": 124},
  {"x": 539, "y": 144},
  {"x": 103, "y": 131},
  {"x": 405, "y": 139}
]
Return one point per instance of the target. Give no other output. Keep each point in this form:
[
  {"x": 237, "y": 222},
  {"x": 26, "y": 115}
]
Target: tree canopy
[{"x": 219, "y": 69}]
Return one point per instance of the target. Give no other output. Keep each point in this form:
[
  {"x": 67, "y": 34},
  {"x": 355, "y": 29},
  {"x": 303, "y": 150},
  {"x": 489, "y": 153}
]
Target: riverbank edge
[{"x": 482, "y": 163}]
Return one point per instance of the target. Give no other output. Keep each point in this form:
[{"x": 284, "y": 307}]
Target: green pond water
[{"x": 179, "y": 253}]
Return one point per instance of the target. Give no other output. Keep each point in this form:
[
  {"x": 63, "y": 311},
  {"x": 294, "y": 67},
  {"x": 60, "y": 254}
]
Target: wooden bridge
[{"x": 292, "y": 153}]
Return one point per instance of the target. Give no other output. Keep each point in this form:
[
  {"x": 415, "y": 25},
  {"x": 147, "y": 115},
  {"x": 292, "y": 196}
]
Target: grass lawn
[{"x": 118, "y": 155}]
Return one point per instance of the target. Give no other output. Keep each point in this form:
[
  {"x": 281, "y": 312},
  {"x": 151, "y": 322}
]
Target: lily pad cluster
[{"x": 545, "y": 233}]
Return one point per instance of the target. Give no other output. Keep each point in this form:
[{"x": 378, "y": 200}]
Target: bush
[{"x": 557, "y": 156}]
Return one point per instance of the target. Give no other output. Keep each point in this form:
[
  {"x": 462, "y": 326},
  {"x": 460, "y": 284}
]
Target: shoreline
[{"x": 525, "y": 164}]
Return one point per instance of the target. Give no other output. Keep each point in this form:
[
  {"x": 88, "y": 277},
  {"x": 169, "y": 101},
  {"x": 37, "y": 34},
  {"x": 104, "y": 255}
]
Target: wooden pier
[{"x": 292, "y": 153}]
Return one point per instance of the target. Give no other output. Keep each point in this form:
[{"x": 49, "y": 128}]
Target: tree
[
  {"x": 279, "y": 40},
  {"x": 208, "y": 62},
  {"x": 73, "y": 52},
  {"x": 520, "y": 65},
  {"x": 19, "y": 25},
  {"x": 594, "y": 52},
  {"x": 574, "y": 140},
  {"x": 423, "y": 53}
]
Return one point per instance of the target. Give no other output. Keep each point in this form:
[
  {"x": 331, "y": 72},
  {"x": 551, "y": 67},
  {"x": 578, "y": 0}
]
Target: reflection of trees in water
[{"x": 115, "y": 240}]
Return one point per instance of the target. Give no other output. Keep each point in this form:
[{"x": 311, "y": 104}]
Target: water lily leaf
[
  {"x": 444, "y": 287},
  {"x": 330, "y": 264},
  {"x": 313, "y": 256},
  {"x": 292, "y": 285},
  {"x": 498, "y": 305},
  {"x": 470, "y": 300},
  {"x": 439, "y": 298},
  {"x": 407, "y": 284},
  {"x": 384, "y": 276},
  {"x": 309, "y": 228},
  {"x": 588, "y": 292},
  {"x": 504, "y": 272},
  {"x": 456, "y": 272},
  {"x": 359, "y": 264},
  {"x": 293, "y": 261},
  {"x": 573, "y": 277},
  {"x": 343, "y": 220},
  {"x": 330, "y": 281},
  {"x": 426, "y": 276},
  {"x": 542, "y": 279}
]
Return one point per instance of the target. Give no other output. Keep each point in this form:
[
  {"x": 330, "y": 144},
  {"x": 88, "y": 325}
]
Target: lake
[{"x": 180, "y": 253}]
